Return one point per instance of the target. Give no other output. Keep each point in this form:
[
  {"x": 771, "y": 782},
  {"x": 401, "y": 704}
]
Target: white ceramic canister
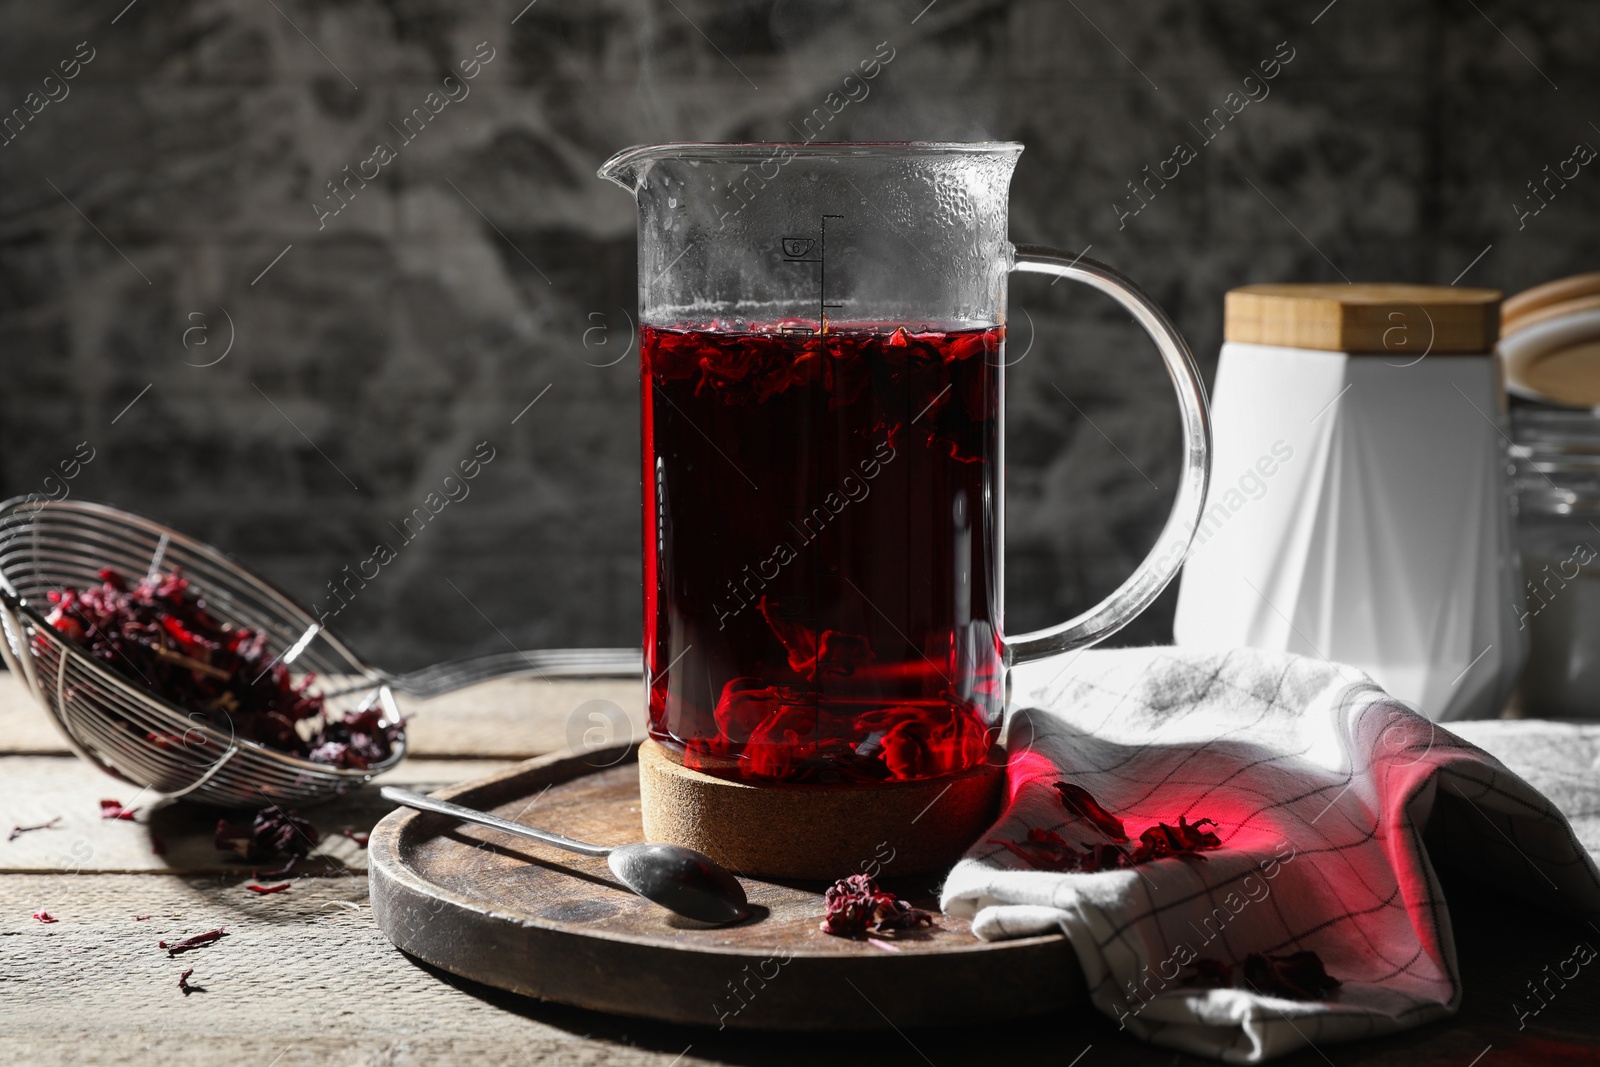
[{"x": 1359, "y": 508}]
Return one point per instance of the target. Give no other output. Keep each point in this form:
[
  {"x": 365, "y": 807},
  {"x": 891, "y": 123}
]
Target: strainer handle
[
  {"x": 483, "y": 818},
  {"x": 546, "y": 663}
]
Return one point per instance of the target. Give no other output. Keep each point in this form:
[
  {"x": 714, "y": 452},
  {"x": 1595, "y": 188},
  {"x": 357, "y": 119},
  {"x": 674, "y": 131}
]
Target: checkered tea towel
[
  {"x": 1561, "y": 759},
  {"x": 1332, "y": 801}
]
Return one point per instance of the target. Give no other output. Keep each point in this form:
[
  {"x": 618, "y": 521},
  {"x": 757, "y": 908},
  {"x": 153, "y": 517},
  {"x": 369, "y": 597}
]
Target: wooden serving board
[{"x": 553, "y": 925}]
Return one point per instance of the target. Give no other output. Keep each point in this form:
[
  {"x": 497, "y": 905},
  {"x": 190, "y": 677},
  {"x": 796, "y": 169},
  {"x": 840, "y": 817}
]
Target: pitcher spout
[{"x": 628, "y": 167}]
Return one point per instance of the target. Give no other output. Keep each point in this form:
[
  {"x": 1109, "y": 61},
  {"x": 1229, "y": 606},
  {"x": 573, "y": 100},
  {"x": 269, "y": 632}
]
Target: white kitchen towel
[
  {"x": 1561, "y": 759},
  {"x": 1333, "y": 803}
]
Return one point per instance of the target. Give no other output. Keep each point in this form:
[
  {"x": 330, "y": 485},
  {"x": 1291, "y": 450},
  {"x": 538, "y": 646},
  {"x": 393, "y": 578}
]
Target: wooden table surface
[{"x": 305, "y": 977}]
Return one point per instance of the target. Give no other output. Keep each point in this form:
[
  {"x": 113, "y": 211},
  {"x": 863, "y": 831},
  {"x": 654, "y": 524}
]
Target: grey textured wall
[{"x": 485, "y": 265}]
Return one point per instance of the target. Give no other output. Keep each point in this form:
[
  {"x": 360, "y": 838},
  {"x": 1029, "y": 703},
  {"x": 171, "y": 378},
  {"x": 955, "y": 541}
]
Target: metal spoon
[{"x": 679, "y": 879}]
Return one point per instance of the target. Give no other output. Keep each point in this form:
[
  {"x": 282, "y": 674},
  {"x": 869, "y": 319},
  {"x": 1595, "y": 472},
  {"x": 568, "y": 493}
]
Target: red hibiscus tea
[{"x": 822, "y": 533}]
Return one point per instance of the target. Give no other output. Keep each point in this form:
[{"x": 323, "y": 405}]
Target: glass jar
[{"x": 1556, "y": 464}]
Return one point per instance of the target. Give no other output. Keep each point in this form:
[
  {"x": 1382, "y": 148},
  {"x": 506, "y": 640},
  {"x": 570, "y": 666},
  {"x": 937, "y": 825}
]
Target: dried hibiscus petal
[
  {"x": 856, "y": 906},
  {"x": 832, "y": 652},
  {"x": 1208, "y": 973},
  {"x": 1046, "y": 851},
  {"x": 264, "y": 889},
  {"x": 113, "y": 809},
  {"x": 160, "y": 632},
  {"x": 748, "y": 703},
  {"x": 18, "y": 831},
  {"x": 197, "y": 941},
  {"x": 356, "y": 741},
  {"x": 281, "y": 872},
  {"x": 839, "y": 654},
  {"x": 779, "y": 730},
  {"x": 272, "y": 832},
  {"x": 360, "y": 837},
  {"x": 1182, "y": 840},
  {"x": 45, "y": 917},
  {"x": 1079, "y": 802},
  {"x": 1104, "y": 857},
  {"x": 183, "y": 983},
  {"x": 1297, "y": 976},
  {"x": 798, "y": 640},
  {"x": 924, "y": 742}
]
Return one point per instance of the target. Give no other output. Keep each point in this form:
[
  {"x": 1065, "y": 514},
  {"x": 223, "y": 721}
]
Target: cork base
[{"x": 817, "y": 832}]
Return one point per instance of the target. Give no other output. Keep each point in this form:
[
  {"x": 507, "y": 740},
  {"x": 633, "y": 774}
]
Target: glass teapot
[{"x": 822, "y": 350}]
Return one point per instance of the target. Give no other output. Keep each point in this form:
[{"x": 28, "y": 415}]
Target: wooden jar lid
[
  {"x": 1552, "y": 300},
  {"x": 1551, "y": 341},
  {"x": 1390, "y": 320},
  {"x": 1569, "y": 376}
]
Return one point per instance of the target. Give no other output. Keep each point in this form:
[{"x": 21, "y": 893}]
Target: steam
[{"x": 819, "y": 45}]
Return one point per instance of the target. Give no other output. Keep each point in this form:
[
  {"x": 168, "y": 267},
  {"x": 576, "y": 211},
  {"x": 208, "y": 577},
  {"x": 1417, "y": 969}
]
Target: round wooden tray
[{"x": 550, "y": 924}]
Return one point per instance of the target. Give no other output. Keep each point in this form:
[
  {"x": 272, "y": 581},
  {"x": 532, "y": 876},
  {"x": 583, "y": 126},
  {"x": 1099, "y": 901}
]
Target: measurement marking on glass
[{"x": 798, "y": 250}]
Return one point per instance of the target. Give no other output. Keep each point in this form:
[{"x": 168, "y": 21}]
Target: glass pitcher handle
[{"x": 1161, "y": 565}]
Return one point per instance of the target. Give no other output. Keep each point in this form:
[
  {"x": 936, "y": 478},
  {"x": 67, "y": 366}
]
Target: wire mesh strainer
[{"x": 130, "y": 732}]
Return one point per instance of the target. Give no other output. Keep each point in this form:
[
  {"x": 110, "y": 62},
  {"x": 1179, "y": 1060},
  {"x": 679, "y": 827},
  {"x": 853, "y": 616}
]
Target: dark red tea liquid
[{"x": 822, "y": 599}]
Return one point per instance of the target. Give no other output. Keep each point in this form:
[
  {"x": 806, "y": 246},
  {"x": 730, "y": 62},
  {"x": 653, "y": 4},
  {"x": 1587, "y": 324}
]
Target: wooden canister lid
[
  {"x": 1391, "y": 320},
  {"x": 1552, "y": 300}
]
